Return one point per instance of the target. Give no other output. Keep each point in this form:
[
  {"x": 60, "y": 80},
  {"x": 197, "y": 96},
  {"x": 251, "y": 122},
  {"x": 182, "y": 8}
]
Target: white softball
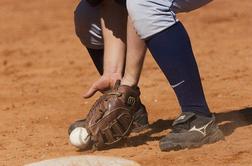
[{"x": 79, "y": 138}]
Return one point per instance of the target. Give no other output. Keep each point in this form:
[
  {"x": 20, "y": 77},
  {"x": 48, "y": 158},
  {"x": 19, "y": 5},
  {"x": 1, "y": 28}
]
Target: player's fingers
[
  {"x": 90, "y": 92},
  {"x": 101, "y": 85}
]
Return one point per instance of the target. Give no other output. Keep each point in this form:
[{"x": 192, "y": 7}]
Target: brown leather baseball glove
[{"x": 111, "y": 117}]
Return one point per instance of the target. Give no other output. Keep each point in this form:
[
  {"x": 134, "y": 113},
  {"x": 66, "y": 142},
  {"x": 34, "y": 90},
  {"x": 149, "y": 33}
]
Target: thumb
[{"x": 90, "y": 92}]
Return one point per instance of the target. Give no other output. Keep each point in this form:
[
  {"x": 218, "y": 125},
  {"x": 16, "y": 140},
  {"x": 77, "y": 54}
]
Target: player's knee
[
  {"x": 150, "y": 17},
  {"x": 87, "y": 28}
]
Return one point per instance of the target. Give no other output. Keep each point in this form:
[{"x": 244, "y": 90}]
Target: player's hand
[{"x": 105, "y": 83}]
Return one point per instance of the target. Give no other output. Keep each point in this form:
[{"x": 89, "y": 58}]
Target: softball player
[{"x": 164, "y": 35}]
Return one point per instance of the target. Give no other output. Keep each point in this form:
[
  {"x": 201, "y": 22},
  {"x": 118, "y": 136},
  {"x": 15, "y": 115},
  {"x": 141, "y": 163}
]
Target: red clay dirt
[{"x": 44, "y": 70}]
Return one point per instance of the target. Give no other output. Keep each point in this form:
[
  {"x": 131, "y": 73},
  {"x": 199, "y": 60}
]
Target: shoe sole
[{"x": 211, "y": 138}]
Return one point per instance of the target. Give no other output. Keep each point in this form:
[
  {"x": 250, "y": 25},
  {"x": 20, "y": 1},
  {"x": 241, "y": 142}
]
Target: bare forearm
[
  {"x": 114, "y": 23},
  {"x": 136, "y": 50},
  {"x": 114, "y": 19}
]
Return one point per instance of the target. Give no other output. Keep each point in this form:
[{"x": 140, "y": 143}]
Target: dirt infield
[{"x": 44, "y": 70}]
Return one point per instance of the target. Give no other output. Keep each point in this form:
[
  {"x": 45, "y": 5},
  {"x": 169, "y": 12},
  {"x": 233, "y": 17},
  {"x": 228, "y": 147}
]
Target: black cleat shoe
[
  {"x": 139, "y": 124},
  {"x": 140, "y": 121},
  {"x": 190, "y": 131}
]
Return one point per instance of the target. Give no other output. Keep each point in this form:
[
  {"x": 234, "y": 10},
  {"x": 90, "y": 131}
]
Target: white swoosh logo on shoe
[
  {"x": 176, "y": 85},
  {"x": 202, "y": 130}
]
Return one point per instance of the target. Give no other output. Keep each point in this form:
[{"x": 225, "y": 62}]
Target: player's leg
[
  {"x": 170, "y": 45},
  {"x": 136, "y": 46},
  {"x": 88, "y": 29}
]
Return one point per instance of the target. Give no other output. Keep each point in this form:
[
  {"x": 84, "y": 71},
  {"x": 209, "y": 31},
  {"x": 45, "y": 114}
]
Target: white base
[{"x": 86, "y": 160}]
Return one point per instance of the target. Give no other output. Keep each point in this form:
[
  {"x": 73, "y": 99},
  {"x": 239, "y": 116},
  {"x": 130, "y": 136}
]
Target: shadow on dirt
[
  {"x": 146, "y": 136},
  {"x": 228, "y": 122}
]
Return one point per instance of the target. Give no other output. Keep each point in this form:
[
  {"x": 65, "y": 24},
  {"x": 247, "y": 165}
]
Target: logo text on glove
[{"x": 131, "y": 100}]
